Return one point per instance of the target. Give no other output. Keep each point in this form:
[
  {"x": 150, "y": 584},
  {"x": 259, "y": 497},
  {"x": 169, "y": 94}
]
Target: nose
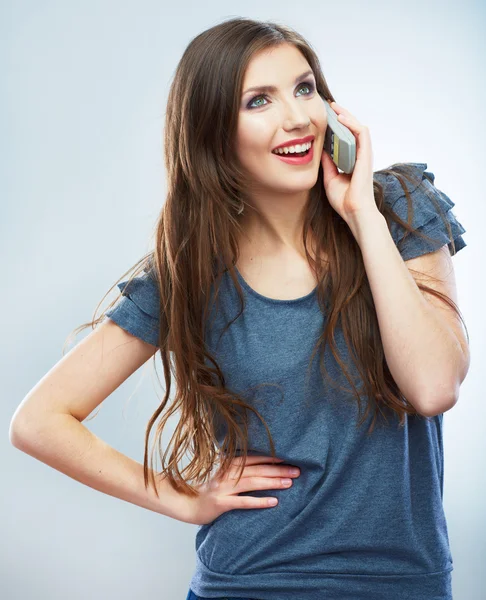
[{"x": 295, "y": 116}]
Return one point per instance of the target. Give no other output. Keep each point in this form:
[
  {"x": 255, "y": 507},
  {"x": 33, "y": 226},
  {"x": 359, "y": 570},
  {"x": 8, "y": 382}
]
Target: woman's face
[{"x": 271, "y": 118}]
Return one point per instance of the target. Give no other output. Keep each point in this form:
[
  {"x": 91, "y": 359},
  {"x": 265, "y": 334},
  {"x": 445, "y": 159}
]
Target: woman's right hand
[{"x": 220, "y": 495}]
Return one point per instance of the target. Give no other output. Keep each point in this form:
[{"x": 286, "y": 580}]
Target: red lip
[{"x": 309, "y": 138}]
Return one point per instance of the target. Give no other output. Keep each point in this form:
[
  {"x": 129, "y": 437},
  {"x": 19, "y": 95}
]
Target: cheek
[
  {"x": 318, "y": 116},
  {"x": 320, "y": 120},
  {"x": 255, "y": 135}
]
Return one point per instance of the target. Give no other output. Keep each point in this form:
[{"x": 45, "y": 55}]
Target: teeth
[{"x": 293, "y": 149}]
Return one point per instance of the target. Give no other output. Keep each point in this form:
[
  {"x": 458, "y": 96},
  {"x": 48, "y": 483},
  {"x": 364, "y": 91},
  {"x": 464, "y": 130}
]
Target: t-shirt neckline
[{"x": 247, "y": 286}]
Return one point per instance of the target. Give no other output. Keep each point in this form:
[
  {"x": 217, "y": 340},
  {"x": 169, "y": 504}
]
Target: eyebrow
[{"x": 272, "y": 88}]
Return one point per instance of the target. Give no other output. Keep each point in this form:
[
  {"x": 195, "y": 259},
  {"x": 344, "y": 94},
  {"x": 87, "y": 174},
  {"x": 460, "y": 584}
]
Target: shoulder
[
  {"x": 143, "y": 290},
  {"x": 138, "y": 307}
]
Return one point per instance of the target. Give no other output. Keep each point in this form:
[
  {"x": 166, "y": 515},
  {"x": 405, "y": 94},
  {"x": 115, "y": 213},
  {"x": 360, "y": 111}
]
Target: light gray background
[{"x": 84, "y": 87}]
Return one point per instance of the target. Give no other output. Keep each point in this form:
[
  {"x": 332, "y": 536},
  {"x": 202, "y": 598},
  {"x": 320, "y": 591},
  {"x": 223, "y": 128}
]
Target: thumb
[{"x": 328, "y": 167}]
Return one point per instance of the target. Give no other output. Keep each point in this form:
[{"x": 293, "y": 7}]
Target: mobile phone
[{"x": 339, "y": 142}]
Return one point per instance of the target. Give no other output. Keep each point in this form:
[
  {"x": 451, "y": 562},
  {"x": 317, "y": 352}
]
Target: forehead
[{"x": 275, "y": 66}]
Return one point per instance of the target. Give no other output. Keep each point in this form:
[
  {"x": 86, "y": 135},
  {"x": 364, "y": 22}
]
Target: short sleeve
[
  {"x": 137, "y": 310},
  {"x": 427, "y": 217}
]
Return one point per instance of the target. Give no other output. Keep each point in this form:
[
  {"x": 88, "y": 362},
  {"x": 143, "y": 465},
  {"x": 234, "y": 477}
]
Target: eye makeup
[{"x": 308, "y": 84}]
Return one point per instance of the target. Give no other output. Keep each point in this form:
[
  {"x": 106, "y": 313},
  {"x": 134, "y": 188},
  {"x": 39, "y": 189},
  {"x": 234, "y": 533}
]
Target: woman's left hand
[{"x": 351, "y": 195}]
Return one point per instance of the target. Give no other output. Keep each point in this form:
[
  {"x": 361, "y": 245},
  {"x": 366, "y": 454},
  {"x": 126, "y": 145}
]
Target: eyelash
[{"x": 308, "y": 84}]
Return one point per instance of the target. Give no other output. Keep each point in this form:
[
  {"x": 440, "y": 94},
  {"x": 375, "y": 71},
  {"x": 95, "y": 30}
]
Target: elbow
[
  {"x": 15, "y": 434},
  {"x": 20, "y": 430},
  {"x": 438, "y": 404},
  {"x": 432, "y": 401}
]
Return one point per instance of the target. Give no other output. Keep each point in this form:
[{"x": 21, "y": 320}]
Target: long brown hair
[{"x": 195, "y": 243}]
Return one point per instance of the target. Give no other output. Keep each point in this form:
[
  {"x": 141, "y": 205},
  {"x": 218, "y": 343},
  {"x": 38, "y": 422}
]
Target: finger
[
  {"x": 263, "y": 470},
  {"x": 344, "y": 116},
  {"x": 252, "y": 484},
  {"x": 364, "y": 154},
  {"x": 234, "y": 502},
  {"x": 354, "y": 124},
  {"x": 240, "y": 464},
  {"x": 328, "y": 165},
  {"x": 329, "y": 169},
  {"x": 340, "y": 109},
  {"x": 254, "y": 460},
  {"x": 271, "y": 471}
]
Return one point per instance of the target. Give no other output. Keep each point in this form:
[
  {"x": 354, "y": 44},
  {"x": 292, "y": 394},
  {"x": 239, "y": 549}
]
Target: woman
[{"x": 258, "y": 266}]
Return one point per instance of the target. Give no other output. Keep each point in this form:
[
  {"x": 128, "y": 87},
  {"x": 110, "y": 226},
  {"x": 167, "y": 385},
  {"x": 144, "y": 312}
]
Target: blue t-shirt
[{"x": 365, "y": 519}]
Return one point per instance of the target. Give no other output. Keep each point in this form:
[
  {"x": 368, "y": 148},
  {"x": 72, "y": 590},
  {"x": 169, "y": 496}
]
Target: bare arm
[
  {"x": 47, "y": 424},
  {"x": 425, "y": 346}
]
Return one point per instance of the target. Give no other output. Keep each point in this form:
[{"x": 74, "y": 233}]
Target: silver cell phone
[{"x": 339, "y": 142}]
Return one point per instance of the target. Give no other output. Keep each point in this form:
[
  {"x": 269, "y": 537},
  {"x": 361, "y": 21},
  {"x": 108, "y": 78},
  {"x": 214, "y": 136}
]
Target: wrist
[{"x": 365, "y": 223}]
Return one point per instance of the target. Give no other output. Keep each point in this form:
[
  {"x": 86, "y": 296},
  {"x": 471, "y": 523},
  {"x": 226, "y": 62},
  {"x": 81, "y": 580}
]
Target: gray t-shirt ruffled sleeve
[
  {"x": 426, "y": 217},
  {"x": 137, "y": 310}
]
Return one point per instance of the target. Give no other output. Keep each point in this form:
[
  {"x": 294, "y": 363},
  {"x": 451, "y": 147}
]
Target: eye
[{"x": 307, "y": 84}]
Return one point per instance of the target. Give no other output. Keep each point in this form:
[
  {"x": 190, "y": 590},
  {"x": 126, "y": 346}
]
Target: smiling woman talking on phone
[{"x": 309, "y": 317}]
